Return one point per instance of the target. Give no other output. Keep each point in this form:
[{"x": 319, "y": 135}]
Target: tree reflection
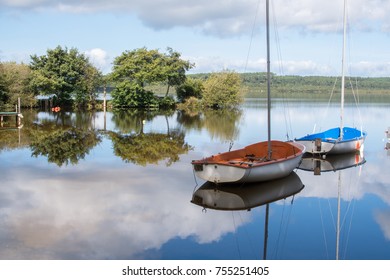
[
  {"x": 133, "y": 121},
  {"x": 61, "y": 145},
  {"x": 149, "y": 148},
  {"x": 221, "y": 124},
  {"x": 67, "y": 137}
]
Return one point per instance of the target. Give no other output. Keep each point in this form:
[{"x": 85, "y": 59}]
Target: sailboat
[
  {"x": 261, "y": 161},
  {"x": 341, "y": 139}
]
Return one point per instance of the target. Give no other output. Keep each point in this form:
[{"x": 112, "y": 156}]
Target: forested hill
[{"x": 255, "y": 84}]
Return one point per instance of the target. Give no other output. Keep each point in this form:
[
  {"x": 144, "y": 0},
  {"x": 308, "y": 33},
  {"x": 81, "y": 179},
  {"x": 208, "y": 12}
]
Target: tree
[
  {"x": 176, "y": 69},
  {"x": 222, "y": 90},
  {"x": 3, "y": 86},
  {"x": 133, "y": 70},
  {"x": 190, "y": 88},
  {"x": 86, "y": 92},
  {"x": 65, "y": 73},
  {"x": 14, "y": 83}
]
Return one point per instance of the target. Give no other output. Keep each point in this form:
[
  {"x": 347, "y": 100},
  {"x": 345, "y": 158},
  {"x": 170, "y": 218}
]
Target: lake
[{"x": 98, "y": 185}]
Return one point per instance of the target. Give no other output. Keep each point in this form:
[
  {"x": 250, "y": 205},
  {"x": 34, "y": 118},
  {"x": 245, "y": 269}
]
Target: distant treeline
[{"x": 255, "y": 85}]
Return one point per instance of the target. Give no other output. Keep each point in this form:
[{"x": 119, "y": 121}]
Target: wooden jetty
[{"x": 17, "y": 115}]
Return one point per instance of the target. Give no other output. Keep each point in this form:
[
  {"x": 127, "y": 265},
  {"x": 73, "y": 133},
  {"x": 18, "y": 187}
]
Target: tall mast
[
  {"x": 343, "y": 71},
  {"x": 268, "y": 83}
]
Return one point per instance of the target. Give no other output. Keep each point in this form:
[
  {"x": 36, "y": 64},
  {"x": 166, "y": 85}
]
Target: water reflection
[
  {"x": 246, "y": 196},
  {"x": 67, "y": 137},
  {"x": 319, "y": 164},
  {"x": 336, "y": 166},
  {"x": 111, "y": 206},
  {"x": 233, "y": 197},
  {"x": 149, "y": 148},
  {"x": 222, "y": 125},
  {"x": 62, "y": 146}
]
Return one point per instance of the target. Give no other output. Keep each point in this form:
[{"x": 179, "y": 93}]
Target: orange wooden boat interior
[{"x": 253, "y": 155}]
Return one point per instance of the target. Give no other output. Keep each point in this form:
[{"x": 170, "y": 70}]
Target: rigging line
[
  {"x": 287, "y": 115},
  {"x": 252, "y": 35},
  {"x": 286, "y": 224},
  {"x": 196, "y": 182},
  {"x": 280, "y": 230},
  {"x": 329, "y": 101},
  {"x": 353, "y": 202},
  {"x": 355, "y": 95},
  {"x": 248, "y": 236},
  {"x": 235, "y": 235},
  {"x": 323, "y": 228},
  {"x": 349, "y": 230}
]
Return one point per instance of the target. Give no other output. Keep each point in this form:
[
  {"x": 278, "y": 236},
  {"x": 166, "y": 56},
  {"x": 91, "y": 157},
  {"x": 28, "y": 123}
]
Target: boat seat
[{"x": 254, "y": 158}]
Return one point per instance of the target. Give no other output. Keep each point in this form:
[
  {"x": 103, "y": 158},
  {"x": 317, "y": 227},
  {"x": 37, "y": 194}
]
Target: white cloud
[
  {"x": 299, "y": 23},
  {"x": 99, "y": 58},
  {"x": 84, "y": 216},
  {"x": 226, "y": 17},
  {"x": 373, "y": 69},
  {"x": 382, "y": 218}
]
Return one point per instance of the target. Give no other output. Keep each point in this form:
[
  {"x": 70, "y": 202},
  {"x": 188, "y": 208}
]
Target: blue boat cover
[{"x": 332, "y": 135}]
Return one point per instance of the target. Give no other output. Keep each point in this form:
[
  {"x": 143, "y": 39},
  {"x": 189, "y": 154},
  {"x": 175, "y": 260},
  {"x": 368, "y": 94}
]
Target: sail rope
[
  {"x": 350, "y": 209},
  {"x": 354, "y": 89},
  {"x": 196, "y": 181},
  {"x": 283, "y": 228},
  {"x": 252, "y": 36},
  {"x": 248, "y": 236},
  {"x": 235, "y": 236},
  {"x": 286, "y": 106},
  {"x": 323, "y": 228},
  {"x": 325, "y": 113}
]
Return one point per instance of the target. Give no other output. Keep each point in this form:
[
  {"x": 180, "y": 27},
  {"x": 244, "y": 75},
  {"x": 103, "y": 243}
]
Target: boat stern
[{"x": 217, "y": 173}]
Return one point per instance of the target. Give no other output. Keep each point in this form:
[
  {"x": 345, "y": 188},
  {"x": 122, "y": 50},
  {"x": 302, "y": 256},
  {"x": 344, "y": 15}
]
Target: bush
[
  {"x": 222, "y": 90},
  {"x": 166, "y": 102},
  {"x": 190, "y": 88}
]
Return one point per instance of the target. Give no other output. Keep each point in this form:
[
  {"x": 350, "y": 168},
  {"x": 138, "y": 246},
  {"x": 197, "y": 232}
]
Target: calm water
[{"x": 119, "y": 186}]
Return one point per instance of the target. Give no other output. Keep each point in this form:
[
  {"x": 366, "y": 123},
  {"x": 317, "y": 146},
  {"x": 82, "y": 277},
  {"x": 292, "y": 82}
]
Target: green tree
[
  {"x": 190, "y": 88},
  {"x": 133, "y": 70},
  {"x": 222, "y": 90},
  {"x": 3, "y": 86},
  {"x": 86, "y": 90},
  {"x": 175, "y": 69},
  {"x": 65, "y": 73},
  {"x": 14, "y": 83}
]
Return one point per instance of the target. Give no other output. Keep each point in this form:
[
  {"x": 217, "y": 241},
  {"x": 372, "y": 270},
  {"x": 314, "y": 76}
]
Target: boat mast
[
  {"x": 338, "y": 217},
  {"x": 343, "y": 71},
  {"x": 269, "y": 155}
]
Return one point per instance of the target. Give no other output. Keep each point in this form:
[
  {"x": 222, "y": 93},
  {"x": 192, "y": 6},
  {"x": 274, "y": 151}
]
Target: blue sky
[{"x": 213, "y": 34}]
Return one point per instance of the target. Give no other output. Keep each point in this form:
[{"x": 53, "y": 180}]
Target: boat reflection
[
  {"x": 318, "y": 164},
  {"x": 230, "y": 196},
  {"x": 233, "y": 196},
  {"x": 338, "y": 164}
]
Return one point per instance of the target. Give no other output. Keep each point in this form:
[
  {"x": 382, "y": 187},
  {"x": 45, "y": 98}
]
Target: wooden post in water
[
  {"x": 104, "y": 107},
  {"x": 18, "y": 114},
  {"x": 104, "y": 99}
]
